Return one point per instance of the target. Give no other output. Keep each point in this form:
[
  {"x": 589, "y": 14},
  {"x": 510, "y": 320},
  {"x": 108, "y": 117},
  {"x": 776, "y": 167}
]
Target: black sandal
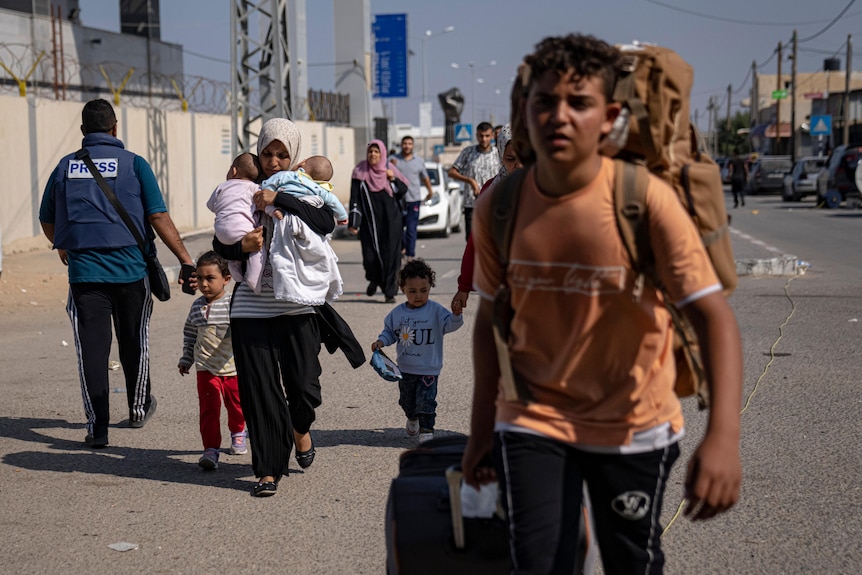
[
  {"x": 305, "y": 458},
  {"x": 265, "y": 489}
]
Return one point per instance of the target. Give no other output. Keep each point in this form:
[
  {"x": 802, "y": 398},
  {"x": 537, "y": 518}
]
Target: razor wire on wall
[{"x": 25, "y": 72}]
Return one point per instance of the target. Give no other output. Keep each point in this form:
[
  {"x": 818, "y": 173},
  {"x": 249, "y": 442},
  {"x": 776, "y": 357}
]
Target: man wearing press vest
[{"x": 108, "y": 281}]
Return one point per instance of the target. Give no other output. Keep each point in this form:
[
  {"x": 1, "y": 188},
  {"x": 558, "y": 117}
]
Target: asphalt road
[{"x": 62, "y": 505}]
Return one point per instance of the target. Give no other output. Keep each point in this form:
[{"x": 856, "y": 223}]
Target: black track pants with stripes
[{"x": 93, "y": 308}]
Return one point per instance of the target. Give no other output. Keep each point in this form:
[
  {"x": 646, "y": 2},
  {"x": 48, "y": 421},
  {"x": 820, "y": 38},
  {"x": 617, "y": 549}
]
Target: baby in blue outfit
[{"x": 311, "y": 178}]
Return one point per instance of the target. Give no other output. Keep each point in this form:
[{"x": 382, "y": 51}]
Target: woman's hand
[
  {"x": 353, "y": 231},
  {"x": 460, "y": 299},
  {"x": 263, "y": 198},
  {"x": 253, "y": 240},
  {"x": 390, "y": 174}
]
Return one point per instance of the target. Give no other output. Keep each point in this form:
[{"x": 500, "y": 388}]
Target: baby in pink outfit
[{"x": 236, "y": 215}]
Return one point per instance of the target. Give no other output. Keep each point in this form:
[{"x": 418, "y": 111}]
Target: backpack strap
[
  {"x": 630, "y": 187},
  {"x": 625, "y": 92},
  {"x": 505, "y": 202},
  {"x": 504, "y": 206}
]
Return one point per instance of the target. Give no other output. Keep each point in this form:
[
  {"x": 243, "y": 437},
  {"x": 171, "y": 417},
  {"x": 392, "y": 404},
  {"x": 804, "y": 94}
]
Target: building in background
[
  {"x": 47, "y": 52},
  {"x": 817, "y": 93}
]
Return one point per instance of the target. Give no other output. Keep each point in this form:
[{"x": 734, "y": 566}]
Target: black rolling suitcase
[{"x": 424, "y": 531}]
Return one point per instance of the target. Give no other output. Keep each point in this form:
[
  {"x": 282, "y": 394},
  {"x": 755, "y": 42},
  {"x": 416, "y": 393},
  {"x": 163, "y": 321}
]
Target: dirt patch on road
[{"x": 32, "y": 284}]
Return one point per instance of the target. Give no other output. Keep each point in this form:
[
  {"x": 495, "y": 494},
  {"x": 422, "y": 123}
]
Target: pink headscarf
[{"x": 375, "y": 176}]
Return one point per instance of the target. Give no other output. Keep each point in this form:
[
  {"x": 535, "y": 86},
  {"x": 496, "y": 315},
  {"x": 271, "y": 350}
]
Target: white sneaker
[
  {"x": 412, "y": 427},
  {"x": 426, "y": 436},
  {"x": 237, "y": 443}
]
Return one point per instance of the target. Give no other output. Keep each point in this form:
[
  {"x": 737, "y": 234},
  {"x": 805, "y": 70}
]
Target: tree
[{"x": 728, "y": 140}]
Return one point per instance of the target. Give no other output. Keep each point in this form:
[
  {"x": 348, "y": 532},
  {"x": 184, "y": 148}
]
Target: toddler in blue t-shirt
[{"x": 418, "y": 326}]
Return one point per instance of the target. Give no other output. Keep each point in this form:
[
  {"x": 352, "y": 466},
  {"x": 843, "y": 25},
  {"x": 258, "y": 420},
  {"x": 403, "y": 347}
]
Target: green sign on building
[{"x": 779, "y": 94}]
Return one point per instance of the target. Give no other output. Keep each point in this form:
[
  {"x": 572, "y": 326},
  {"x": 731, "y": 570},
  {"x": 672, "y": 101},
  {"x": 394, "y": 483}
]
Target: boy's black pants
[{"x": 541, "y": 481}]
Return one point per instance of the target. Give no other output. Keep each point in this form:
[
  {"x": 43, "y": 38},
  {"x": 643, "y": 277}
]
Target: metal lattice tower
[{"x": 260, "y": 68}]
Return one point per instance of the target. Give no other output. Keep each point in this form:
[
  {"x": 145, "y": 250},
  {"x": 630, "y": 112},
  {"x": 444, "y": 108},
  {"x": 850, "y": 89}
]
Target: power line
[
  {"x": 765, "y": 62},
  {"x": 739, "y": 21},
  {"x": 828, "y": 26},
  {"x": 742, "y": 84},
  {"x": 219, "y": 60}
]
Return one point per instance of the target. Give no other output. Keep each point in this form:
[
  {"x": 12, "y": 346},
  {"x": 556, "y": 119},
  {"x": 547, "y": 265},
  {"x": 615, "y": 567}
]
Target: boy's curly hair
[
  {"x": 585, "y": 55},
  {"x": 211, "y": 258},
  {"x": 416, "y": 269}
]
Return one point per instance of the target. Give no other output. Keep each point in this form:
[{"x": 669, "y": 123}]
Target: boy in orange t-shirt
[{"x": 597, "y": 358}]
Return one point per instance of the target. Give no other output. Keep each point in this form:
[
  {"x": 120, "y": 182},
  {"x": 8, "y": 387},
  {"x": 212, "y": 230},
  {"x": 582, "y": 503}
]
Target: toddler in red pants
[{"x": 207, "y": 344}]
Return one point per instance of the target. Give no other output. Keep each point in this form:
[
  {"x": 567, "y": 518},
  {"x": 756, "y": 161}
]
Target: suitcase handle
[{"x": 454, "y": 477}]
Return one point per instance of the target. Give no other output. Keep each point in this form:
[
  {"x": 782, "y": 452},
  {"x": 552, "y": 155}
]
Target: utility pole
[
  {"x": 755, "y": 97},
  {"x": 848, "y": 69},
  {"x": 729, "y": 136},
  {"x": 729, "y": 96},
  {"x": 793, "y": 102},
  {"x": 778, "y": 106},
  {"x": 709, "y": 134}
]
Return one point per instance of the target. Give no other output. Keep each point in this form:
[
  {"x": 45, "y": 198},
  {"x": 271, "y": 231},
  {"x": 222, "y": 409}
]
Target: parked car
[
  {"x": 443, "y": 212},
  {"x": 766, "y": 174},
  {"x": 802, "y": 179},
  {"x": 724, "y": 167},
  {"x": 838, "y": 181}
]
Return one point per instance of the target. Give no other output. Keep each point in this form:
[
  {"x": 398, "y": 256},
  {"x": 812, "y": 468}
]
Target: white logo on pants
[{"x": 631, "y": 505}]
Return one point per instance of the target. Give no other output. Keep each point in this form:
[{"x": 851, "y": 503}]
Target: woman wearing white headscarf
[{"x": 276, "y": 342}]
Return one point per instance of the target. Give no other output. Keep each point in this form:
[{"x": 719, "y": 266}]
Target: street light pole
[
  {"x": 425, "y": 37},
  {"x": 473, "y": 69}
]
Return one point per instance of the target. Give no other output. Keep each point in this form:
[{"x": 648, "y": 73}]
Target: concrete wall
[{"x": 189, "y": 153}]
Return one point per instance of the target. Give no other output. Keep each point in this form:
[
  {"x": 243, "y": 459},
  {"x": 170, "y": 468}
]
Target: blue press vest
[{"x": 84, "y": 217}]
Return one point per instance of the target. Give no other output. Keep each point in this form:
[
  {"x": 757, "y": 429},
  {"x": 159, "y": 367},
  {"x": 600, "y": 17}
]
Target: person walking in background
[
  {"x": 510, "y": 162},
  {"x": 413, "y": 168},
  {"x": 375, "y": 216},
  {"x": 738, "y": 177},
  {"x": 207, "y": 344},
  {"x": 417, "y": 327},
  {"x": 107, "y": 272},
  {"x": 589, "y": 400},
  {"x": 474, "y": 166}
]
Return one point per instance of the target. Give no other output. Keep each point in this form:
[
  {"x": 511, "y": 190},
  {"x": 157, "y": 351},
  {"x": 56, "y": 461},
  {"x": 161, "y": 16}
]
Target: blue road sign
[
  {"x": 439, "y": 149},
  {"x": 821, "y": 125},
  {"x": 463, "y": 132},
  {"x": 390, "y": 55}
]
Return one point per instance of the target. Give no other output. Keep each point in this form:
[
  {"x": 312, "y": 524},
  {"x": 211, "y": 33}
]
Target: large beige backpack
[{"x": 654, "y": 87}]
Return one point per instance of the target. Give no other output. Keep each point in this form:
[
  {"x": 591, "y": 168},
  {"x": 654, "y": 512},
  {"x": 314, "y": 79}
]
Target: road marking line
[{"x": 755, "y": 241}]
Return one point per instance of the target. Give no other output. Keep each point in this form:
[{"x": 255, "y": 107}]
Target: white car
[{"x": 442, "y": 213}]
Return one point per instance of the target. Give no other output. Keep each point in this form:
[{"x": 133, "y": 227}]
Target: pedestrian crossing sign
[
  {"x": 821, "y": 125},
  {"x": 463, "y": 132}
]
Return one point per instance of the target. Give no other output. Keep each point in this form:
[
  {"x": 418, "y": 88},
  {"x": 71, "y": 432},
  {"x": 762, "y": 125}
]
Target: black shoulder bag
[{"x": 159, "y": 285}]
